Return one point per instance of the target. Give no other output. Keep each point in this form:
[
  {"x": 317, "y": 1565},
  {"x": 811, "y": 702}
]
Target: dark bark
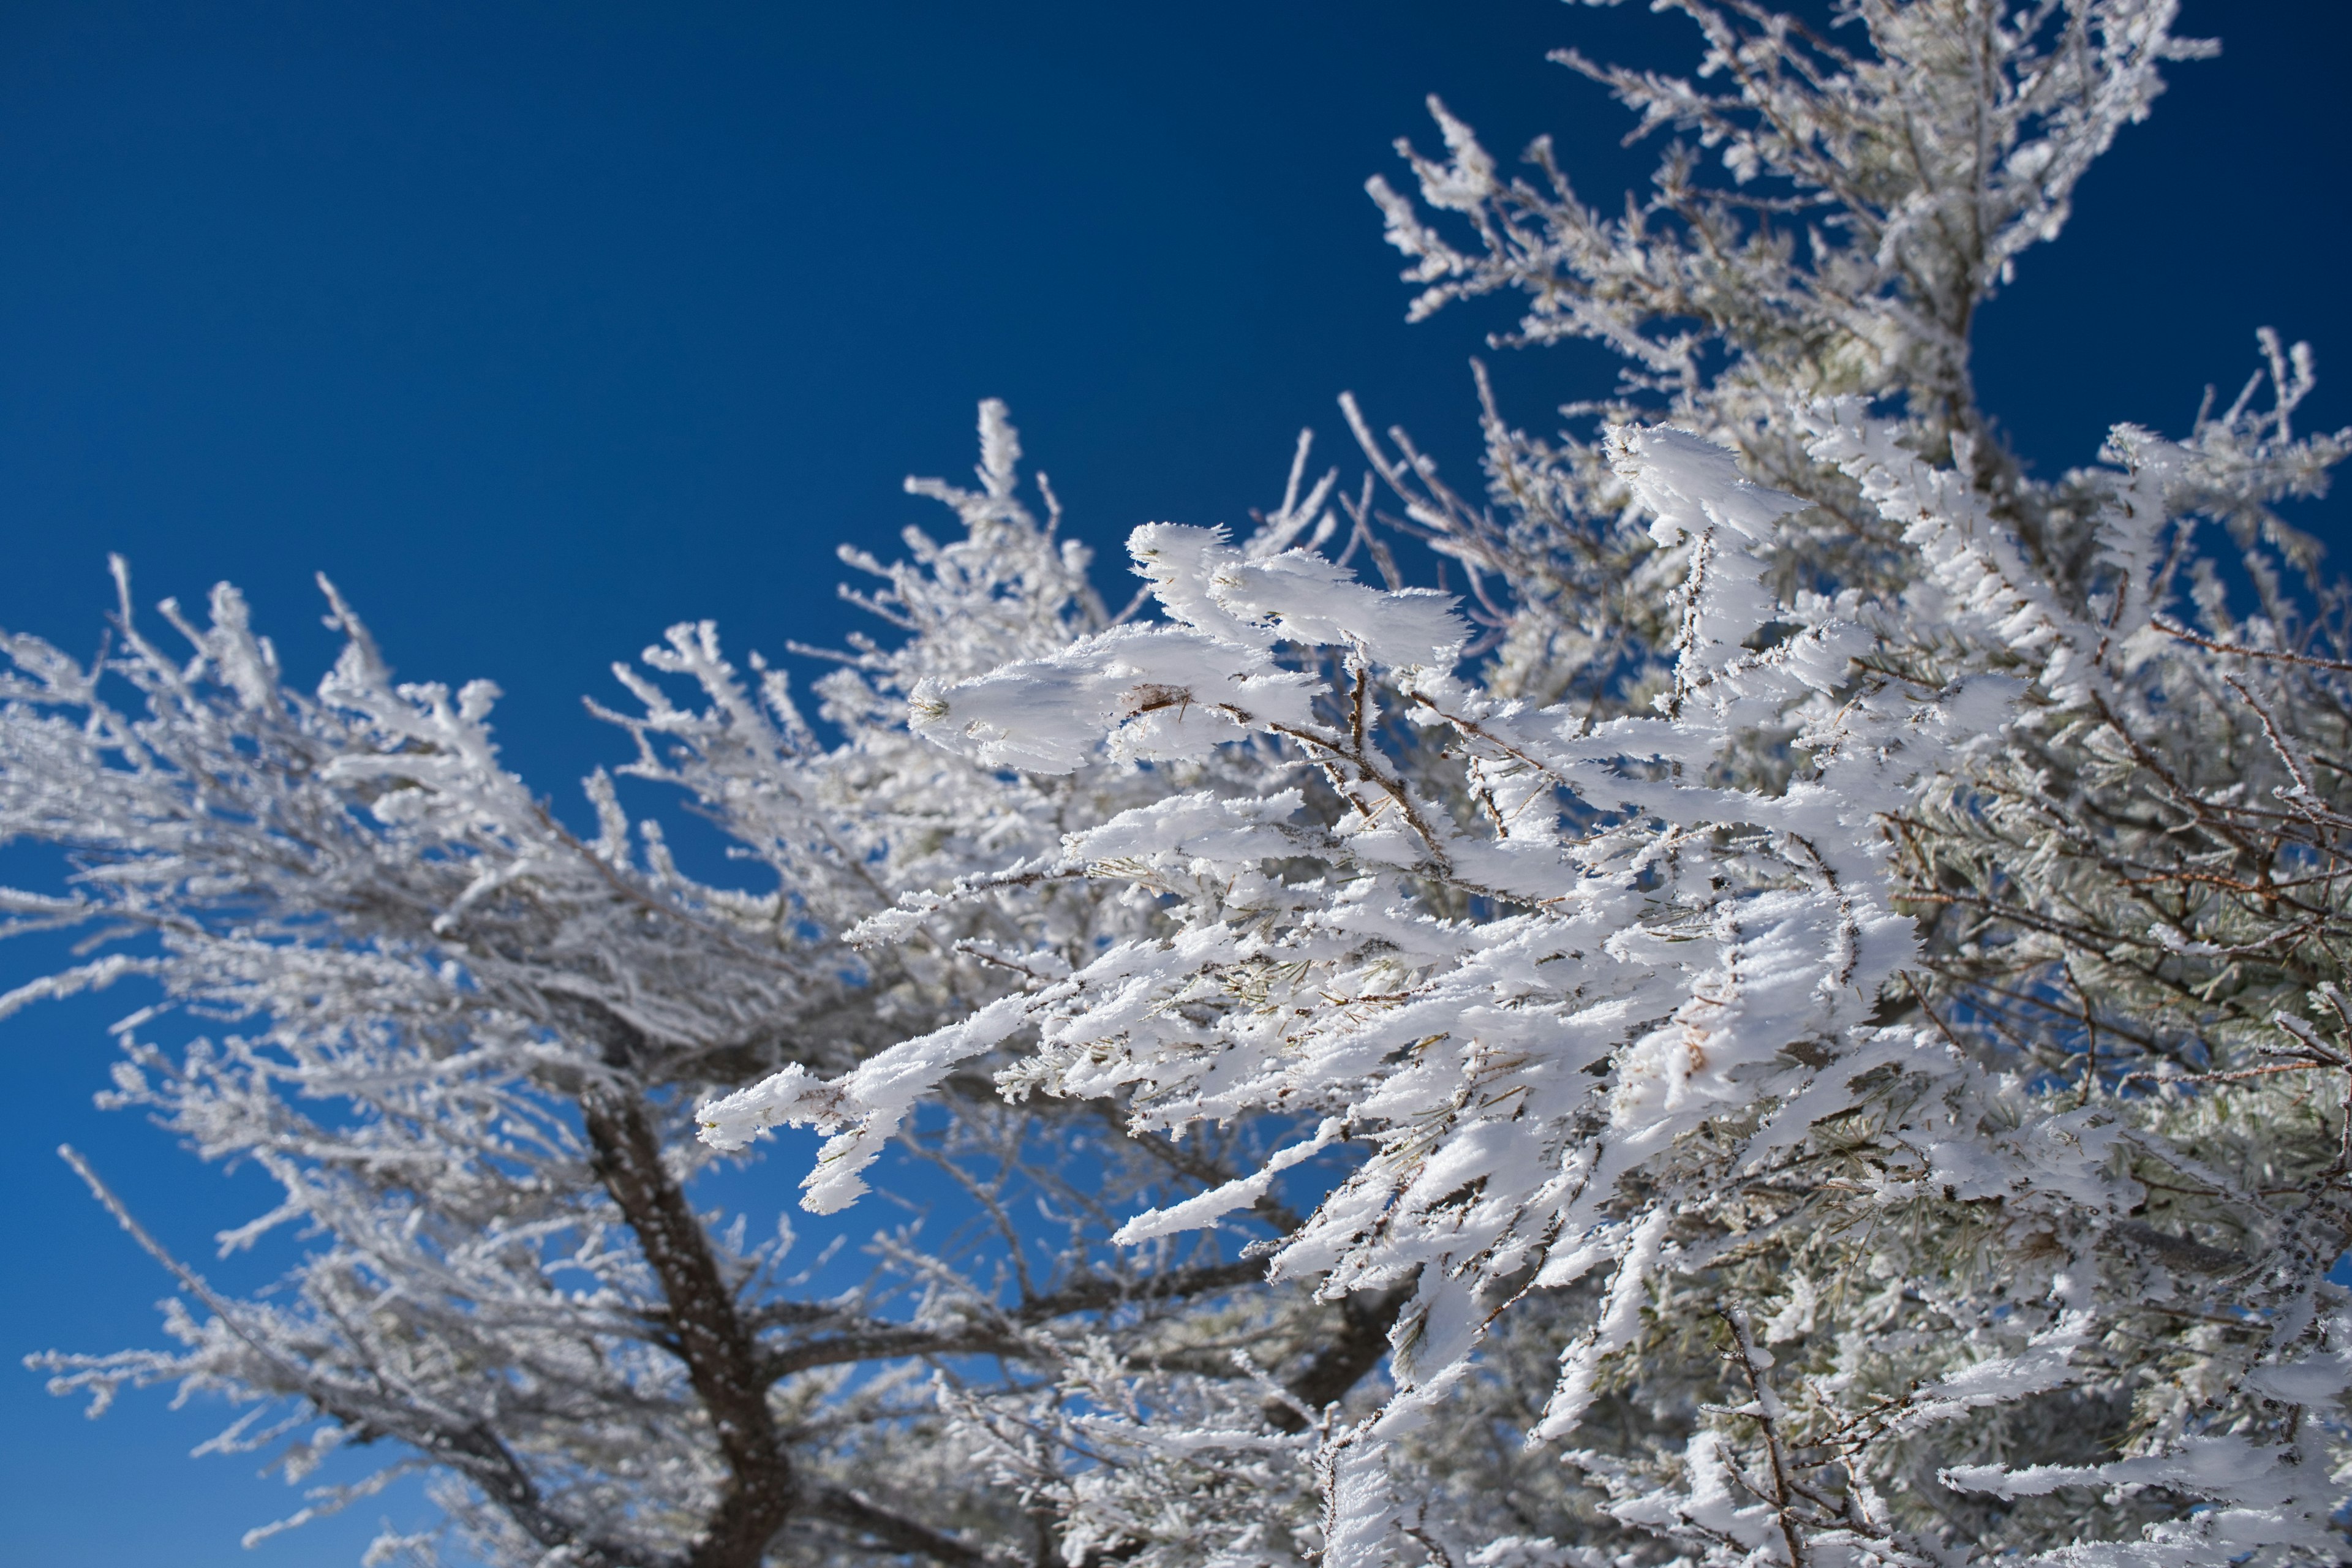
[
  {"x": 707, "y": 1333},
  {"x": 718, "y": 1341},
  {"x": 890, "y": 1531},
  {"x": 985, "y": 1332},
  {"x": 2182, "y": 1251},
  {"x": 1344, "y": 1359},
  {"x": 477, "y": 1454},
  {"x": 1090, "y": 1292}
]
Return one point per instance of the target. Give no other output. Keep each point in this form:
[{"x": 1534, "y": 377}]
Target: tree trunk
[{"x": 708, "y": 1333}]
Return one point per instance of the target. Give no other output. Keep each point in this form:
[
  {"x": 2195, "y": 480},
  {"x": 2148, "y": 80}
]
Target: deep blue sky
[{"x": 541, "y": 326}]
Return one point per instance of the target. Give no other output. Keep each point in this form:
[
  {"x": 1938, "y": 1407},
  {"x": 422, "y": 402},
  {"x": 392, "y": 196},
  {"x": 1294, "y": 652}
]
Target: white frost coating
[
  {"x": 2313, "y": 1380},
  {"x": 1897, "y": 922},
  {"x": 1668, "y": 1001},
  {"x": 1308, "y": 601},
  {"x": 2045, "y": 1363},
  {"x": 1692, "y": 489},
  {"x": 2209, "y": 1467},
  {"x": 1204, "y": 1209},
  {"x": 1707, "y": 949},
  {"x": 1612, "y": 1330},
  {"x": 1164, "y": 692},
  {"x": 2253, "y": 1501},
  {"x": 869, "y": 1102},
  {"x": 466, "y": 1044}
]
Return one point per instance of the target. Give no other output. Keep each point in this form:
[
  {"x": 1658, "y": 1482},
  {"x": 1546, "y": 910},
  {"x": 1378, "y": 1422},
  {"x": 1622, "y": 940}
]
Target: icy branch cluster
[{"x": 1799, "y": 1020}]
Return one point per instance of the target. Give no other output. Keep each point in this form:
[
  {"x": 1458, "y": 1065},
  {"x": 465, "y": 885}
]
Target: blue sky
[{"x": 541, "y": 326}]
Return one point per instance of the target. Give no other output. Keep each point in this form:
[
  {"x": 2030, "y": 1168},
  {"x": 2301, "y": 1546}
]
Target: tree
[
  {"x": 470, "y": 1044},
  {"x": 1850, "y": 990}
]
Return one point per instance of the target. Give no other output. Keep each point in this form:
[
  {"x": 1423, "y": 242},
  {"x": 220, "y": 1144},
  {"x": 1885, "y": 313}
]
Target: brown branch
[
  {"x": 706, "y": 1331},
  {"x": 994, "y": 1332},
  {"x": 1744, "y": 1350},
  {"x": 2163, "y": 625},
  {"x": 892, "y": 1532},
  {"x": 1345, "y": 1359},
  {"x": 473, "y": 1450}
]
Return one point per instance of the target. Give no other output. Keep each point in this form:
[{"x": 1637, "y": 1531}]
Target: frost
[{"x": 1797, "y": 1016}]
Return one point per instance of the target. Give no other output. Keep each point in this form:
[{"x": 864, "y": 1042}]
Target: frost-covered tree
[
  {"x": 468, "y": 1045},
  {"x": 1799, "y": 1023},
  {"x": 1851, "y": 979}
]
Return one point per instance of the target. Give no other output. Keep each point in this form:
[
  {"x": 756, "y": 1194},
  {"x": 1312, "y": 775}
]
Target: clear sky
[{"x": 539, "y": 326}]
